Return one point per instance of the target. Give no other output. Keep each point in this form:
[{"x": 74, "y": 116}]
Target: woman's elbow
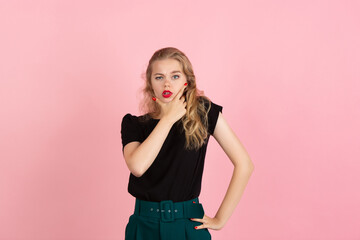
[
  {"x": 245, "y": 166},
  {"x": 251, "y": 166},
  {"x": 136, "y": 171},
  {"x": 134, "y": 168}
]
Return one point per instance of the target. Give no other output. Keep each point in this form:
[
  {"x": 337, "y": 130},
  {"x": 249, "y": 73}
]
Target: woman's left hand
[{"x": 208, "y": 222}]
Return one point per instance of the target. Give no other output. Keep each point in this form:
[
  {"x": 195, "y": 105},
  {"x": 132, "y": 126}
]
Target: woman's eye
[
  {"x": 176, "y": 76},
  {"x": 157, "y": 78}
]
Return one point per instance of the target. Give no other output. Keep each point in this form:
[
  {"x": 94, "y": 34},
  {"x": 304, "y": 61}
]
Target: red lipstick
[{"x": 166, "y": 94}]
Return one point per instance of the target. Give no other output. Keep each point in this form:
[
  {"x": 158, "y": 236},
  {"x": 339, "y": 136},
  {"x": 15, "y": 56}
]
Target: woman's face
[{"x": 167, "y": 75}]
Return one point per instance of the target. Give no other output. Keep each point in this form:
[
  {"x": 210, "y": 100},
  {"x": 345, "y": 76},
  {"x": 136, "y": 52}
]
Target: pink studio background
[{"x": 286, "y": 73}]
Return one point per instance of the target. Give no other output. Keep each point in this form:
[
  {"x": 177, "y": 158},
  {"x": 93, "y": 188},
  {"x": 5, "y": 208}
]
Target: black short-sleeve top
[{"x": 176, "y": 173}]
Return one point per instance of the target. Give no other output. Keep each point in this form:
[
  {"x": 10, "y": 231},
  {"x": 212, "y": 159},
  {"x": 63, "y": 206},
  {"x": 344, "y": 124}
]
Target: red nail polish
[
  {"x": 194, "y": 202},
  {"x": 154, "y": 99},
  {"x": 195, "y": 227},
  {"x": 185, "y": 84}
]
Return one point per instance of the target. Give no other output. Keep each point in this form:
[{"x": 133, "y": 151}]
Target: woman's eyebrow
[{"x": 171, "y": 72}]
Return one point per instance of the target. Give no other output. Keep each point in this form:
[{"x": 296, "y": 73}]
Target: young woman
[{"x": 165, "y": 149}]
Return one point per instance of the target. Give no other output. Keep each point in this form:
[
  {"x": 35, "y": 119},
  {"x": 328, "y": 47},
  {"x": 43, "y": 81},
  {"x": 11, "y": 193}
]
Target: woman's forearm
[
  {"x": 145, "y": 154},
  {"x": 234, "y": 192}
]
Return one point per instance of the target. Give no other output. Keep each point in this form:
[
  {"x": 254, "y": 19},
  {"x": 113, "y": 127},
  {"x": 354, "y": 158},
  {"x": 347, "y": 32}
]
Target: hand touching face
[{"x": 167, "y": 79}]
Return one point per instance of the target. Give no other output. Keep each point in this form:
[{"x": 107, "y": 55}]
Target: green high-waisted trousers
[{"x": 166, "y": 220}]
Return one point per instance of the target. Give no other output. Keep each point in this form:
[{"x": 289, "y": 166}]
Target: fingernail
[
  {"x": 185, "y": 84},
  {"x": 154, "y": 99},
  {"x": 195, "y": 227}
]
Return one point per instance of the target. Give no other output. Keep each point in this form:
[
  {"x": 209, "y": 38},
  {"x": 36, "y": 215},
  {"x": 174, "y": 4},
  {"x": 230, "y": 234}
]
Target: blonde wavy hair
[{"x": 195, "y": 121}]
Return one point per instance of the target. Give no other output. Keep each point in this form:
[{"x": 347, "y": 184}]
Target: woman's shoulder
[
  {"x": 212, "y": 109},
  {"x": 138, "y": 119},
  {"x": 204, "y": 100},
  {"x": 130, "y": 116},
  {"x": 207, "y": 102}
]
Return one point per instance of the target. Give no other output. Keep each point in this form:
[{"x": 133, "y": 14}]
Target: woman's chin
[{"x": 166, "y": 100}]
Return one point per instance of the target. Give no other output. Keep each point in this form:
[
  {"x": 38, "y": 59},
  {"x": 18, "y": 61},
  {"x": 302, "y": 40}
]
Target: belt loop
[
  {"x": 167, "y": 213},
  {"x": 137, "y": 207},
  {"x": 183, "y": 209}
]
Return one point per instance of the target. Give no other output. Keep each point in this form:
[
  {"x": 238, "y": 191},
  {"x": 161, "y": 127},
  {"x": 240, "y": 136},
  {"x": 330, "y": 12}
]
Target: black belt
[{"x": 168, "y": 211}]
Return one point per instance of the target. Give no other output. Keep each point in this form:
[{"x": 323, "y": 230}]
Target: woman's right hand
[{"x": 175, "y": 109}]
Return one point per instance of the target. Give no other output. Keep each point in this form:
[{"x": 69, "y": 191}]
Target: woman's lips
[{"x": 166, "y": 94}]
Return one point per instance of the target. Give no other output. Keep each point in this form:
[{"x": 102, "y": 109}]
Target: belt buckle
[{"x": 167, "y": 211}]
